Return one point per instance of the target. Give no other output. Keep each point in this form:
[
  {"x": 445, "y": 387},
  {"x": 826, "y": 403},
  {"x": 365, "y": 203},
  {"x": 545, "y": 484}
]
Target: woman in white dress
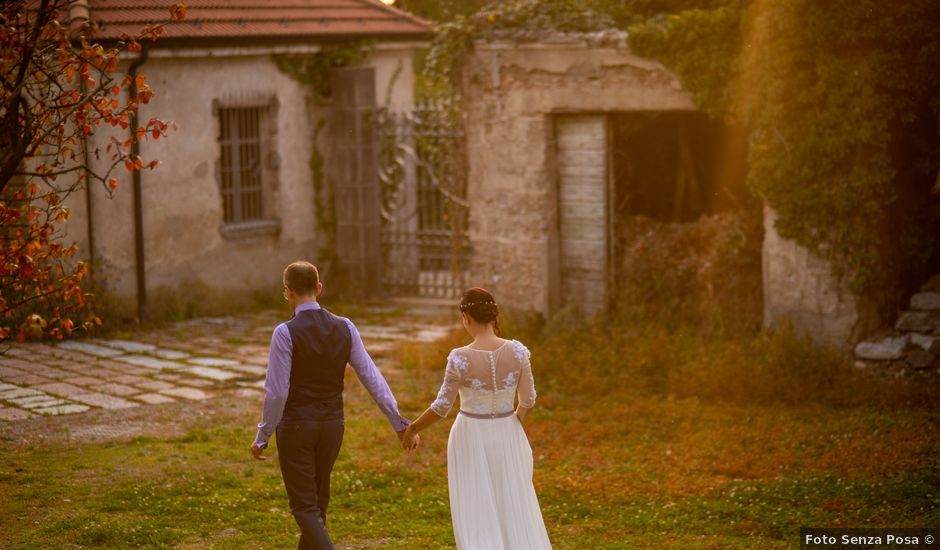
[{"x": 489, "y": 461}]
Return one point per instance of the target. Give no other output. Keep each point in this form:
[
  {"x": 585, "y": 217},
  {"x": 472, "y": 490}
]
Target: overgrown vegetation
[{"x": 842, "y": 102}]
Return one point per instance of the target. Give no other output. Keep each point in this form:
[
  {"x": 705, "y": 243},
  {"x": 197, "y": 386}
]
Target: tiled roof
[{"x": 278, "y": 20}]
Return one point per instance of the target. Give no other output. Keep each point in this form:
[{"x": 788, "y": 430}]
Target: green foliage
[
  {"x": 842, "y": 101},
  {"x": 314, "y": 69},
  {"x": 440, "y": 10},
  {"x": 323, "y": 203},
  {"x": 453, "y": 39},
  {"x": 699, "y": 45}
]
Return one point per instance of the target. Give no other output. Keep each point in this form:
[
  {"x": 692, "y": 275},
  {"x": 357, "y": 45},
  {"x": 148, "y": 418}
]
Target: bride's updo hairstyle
[{"x": 480, "y": 305}]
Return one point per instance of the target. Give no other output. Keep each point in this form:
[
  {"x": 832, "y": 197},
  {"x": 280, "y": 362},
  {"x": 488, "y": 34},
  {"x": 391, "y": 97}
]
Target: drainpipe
[
  {"x": 88, "y": 202},
  {"x": 78, "y": 16},
  {"x": 138, "y": 207}
]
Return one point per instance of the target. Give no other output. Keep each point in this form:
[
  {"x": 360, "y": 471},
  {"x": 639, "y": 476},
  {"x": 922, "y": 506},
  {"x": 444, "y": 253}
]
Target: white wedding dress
[{"x": 489, "y": 461}]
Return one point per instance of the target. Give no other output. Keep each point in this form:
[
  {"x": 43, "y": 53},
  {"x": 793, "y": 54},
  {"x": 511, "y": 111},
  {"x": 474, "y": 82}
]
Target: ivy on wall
[{"x": 454, "y": 39}]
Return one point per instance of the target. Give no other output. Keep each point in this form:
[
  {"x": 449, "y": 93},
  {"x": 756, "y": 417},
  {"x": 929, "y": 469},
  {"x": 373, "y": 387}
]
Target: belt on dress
[{"x": 493, "y": 415}]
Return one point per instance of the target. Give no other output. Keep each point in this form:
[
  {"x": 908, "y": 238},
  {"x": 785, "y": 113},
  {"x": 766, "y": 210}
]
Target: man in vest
[{"x": 303, "y": 399}]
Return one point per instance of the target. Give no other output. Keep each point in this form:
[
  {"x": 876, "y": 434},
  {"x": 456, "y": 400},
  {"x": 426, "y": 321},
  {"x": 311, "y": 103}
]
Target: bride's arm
[
  {"x": 427, "y": 419},
  {"x": 526, "y": 387},
  {"x": 441, "y": 405}
]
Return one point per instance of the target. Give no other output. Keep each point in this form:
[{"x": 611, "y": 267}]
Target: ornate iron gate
[{"x": 423, "y": 201}]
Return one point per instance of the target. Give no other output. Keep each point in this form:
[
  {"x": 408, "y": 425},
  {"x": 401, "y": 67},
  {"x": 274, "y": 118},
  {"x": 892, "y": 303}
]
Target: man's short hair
[{"x": 302, "y": 277}]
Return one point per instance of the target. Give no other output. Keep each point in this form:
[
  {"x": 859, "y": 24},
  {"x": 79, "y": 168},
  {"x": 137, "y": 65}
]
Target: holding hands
[{"x": 409, "y": 438}]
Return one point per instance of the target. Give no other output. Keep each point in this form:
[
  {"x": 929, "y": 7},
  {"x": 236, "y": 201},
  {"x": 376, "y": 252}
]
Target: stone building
[
  {"x": 544, "y": 127},
  {"x": 233, "y": 200}
]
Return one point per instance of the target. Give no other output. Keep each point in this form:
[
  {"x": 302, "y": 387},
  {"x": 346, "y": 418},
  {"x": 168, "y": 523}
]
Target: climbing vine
[{"x": 454, "y": 39}]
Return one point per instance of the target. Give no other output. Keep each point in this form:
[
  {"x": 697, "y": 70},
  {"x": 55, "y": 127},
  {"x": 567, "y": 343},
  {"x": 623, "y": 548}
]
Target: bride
[{"x": 489, "y": 460}]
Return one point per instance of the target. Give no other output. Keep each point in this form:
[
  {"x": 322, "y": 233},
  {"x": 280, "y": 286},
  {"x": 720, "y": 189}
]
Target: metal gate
[{"x": 424, "y": 211}]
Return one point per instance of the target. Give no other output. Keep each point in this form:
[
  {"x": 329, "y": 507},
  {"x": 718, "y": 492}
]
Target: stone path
[{"x": 188, "y": 361}]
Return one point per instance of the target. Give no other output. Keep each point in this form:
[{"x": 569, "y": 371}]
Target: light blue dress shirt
[{"x": 277, "y": 379}]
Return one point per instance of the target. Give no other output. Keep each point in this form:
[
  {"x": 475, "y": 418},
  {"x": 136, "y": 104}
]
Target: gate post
[{"x": 355, "y": 179}]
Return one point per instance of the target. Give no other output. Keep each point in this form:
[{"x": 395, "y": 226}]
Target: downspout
[
  {"x": 88, "y": 202},
  {"x": 78, "y": 17},
  {"x": 138, "y": 206}
]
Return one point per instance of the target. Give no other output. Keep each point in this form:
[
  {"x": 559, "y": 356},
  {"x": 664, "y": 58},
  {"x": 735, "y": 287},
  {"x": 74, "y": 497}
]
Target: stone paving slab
[
  {"x": 212, "y": 373},
  {"x": 62, "y": 409},
  {"x": 103, "y": 401},
  {"x": 154, "y": 385},
  {"x": 76, "y": 369},
  {"x": 172, "y": 354},
  {"x": 212, "y": 361},
  {"x": 131, "y": 379},
  {"x": 9, "y": 414},
  {"x": 49, "y": 401},
  {"x": 154, "y": 398},
  {"x": 186, "y": 393},
  {"x": 28, "y": 379},
  {"x": 6, "y": 372},
  {"x": 27, "y": 400},
  {"x": 197, "y": 382},
  {"x": 117, "y": 389},
  {"x": 127, "y": 345},
  {"x": 84, "y": 381},
  {"x": 131, "y": 369},
  {"x": 249, "y": 369},
  {"x": 90, "y": 349},
  {"x": 150, "y": 362},
  {"x": 52, "y": 372},
  {"x": 18, "y": 392},
  {"x": 61, "y": 388}
]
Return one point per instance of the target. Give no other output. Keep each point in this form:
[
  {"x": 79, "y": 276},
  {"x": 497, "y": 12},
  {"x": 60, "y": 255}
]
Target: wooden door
[
  {"x": 356, "y": 186},
  {"x": 583, "y": 198}
]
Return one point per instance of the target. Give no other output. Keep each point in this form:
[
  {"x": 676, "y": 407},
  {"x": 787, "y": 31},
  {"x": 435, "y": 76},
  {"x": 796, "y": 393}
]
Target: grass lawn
[{"x": 647, "y": 438}]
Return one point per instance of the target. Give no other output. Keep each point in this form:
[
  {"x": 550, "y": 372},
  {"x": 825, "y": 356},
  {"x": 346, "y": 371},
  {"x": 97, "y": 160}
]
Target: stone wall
[
  {"x": 511, "y": 93},
  {"x": 800, "y": 287}
]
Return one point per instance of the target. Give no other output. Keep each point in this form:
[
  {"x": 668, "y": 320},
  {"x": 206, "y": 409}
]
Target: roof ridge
[{"x": 398, "y": 11}]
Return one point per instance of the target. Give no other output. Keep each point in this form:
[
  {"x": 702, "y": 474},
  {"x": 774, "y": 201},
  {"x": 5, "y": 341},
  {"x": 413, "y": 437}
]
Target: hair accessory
[{"x": 468, "y": 305}]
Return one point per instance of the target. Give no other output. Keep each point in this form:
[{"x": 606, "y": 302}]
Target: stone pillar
[{"x": 800, "y": 287}]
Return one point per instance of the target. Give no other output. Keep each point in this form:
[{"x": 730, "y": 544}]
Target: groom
[{"x": 303, "y": 399}]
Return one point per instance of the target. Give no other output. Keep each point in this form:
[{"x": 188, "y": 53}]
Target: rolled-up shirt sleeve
[
  {"x": 276, "y": 384},
  {"x": 371, "y": 377}
]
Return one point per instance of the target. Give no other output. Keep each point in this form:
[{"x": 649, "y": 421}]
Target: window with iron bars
[
  {"x": 240, "y": 136},
  {"x": 244, "y": 167}
]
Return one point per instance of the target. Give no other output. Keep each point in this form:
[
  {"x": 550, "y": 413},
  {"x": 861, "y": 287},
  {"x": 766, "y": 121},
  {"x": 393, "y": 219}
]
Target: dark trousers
[{"x": 306, "y": 451}]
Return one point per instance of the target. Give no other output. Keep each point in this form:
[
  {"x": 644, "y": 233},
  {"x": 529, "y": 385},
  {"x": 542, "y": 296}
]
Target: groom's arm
[
  {"x": 371, "y": 377},
  {"x": 276, "y": 384}
]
